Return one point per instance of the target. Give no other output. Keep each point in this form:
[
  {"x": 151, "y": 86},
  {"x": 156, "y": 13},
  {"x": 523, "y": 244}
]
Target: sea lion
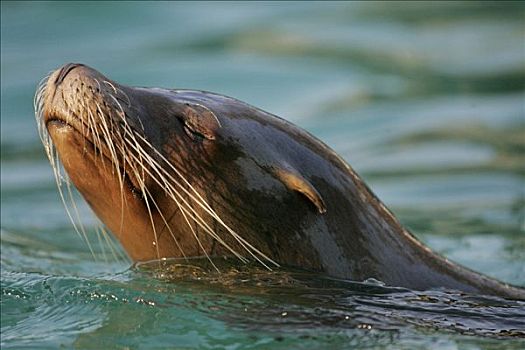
[{"x": 180, "y": 173}]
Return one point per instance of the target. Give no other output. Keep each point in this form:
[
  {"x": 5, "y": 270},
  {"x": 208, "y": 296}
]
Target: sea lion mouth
[
  {"x": 56, "y": 125},
  {"x": 93, "y": 142}
]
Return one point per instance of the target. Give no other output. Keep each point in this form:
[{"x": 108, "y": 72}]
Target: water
[{"x": 424, "y": 100}]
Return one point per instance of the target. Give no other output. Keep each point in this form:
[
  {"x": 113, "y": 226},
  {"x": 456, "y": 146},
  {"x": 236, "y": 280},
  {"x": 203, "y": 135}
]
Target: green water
[{"x": 425, "y": 100}]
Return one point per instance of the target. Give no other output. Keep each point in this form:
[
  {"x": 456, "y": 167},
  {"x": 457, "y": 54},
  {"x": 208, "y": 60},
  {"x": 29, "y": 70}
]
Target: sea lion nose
[{"x": 64, "y": 71}]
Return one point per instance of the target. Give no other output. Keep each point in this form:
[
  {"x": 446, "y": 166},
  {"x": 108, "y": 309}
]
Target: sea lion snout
[{"x": 74, "y": 89}]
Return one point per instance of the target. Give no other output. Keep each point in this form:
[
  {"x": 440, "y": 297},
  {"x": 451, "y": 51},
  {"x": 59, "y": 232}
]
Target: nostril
[{"x": 64, "y": 71}]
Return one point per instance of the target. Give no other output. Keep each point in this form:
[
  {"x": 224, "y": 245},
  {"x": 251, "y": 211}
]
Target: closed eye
[{"x": 193, "y": 134}]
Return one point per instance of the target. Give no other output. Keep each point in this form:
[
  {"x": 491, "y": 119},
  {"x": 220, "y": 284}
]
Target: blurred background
[{"x": 424, "y": 100}]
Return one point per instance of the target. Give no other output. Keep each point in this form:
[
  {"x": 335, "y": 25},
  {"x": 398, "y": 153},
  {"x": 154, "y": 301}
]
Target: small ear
[
  {"x": 201, "y": 120},
  {"x": 296, "y": 182}
]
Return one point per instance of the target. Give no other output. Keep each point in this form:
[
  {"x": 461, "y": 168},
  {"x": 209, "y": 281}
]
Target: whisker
[
  {"x": 77, "y": 214},
  {"x": 142, "y": 187},
  {"x": 55, "y": 166},
  {"x": 103, "y": 250},
  {"x": 171, "y": 191},
  {"x": 117, "y": 253},
  {"x": 250, "y": 248},
  {"x": 166, "y": 223}
]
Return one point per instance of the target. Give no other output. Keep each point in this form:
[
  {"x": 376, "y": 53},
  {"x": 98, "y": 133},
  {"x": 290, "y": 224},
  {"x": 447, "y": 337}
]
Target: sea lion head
[{"x": 176, "y": 173}]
